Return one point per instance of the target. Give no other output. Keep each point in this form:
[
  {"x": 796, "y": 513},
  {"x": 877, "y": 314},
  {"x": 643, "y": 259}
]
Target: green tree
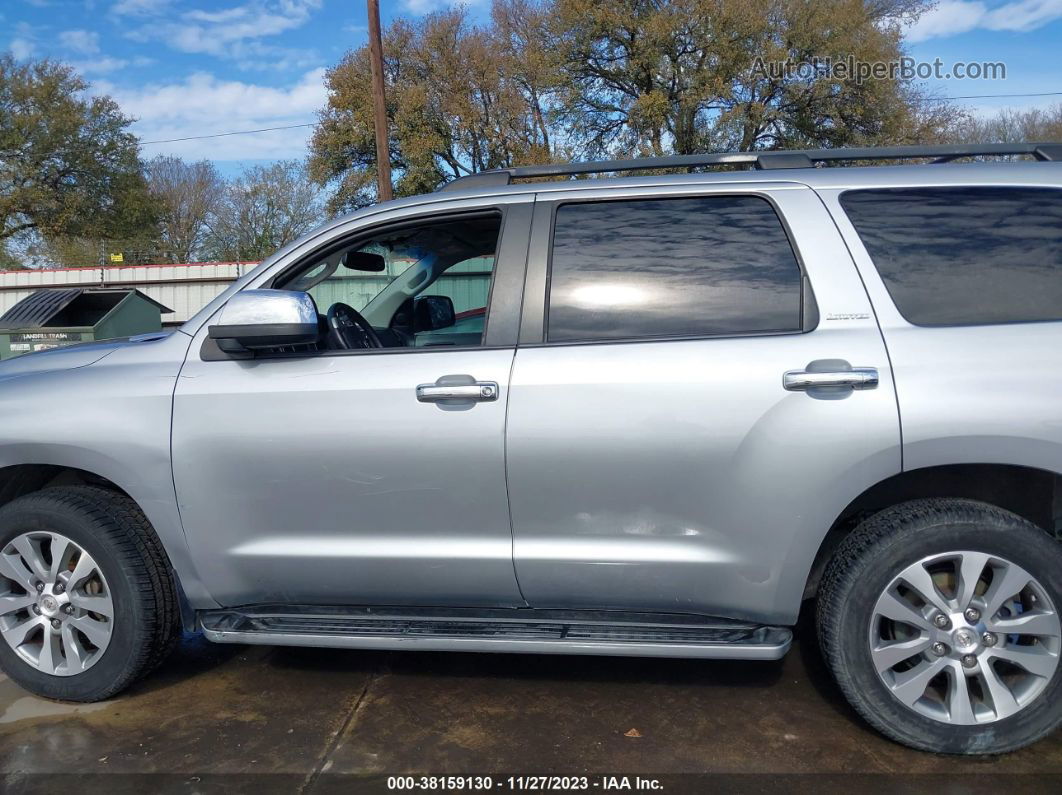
[
  {"x": 461, "y": 98},
  {"x": 522, "y": 37},
  {"x": 263, "y": 210},
  {"x": 685, "y": 76},
  {"x": 69, "y": 167},
  {"x": 552, "y": 79}
]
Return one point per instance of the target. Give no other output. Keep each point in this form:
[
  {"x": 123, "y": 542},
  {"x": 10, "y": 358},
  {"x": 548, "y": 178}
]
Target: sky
[{"x": 187, "y": 68}]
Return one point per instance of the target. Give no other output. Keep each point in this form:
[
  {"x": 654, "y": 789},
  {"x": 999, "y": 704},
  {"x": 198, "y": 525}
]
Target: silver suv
[{"x": 651, "y": 415}]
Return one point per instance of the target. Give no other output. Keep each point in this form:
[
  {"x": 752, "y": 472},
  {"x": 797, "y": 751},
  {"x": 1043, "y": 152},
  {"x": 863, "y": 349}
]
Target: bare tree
[
  {"x": 1010, "y": 124},
  {"x": 186, "y": 195},
  {"x": 264, "y": 209}
]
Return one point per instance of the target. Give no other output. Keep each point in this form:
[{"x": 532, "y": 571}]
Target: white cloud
[
  {"x": 421, "y": 7},
  {"x": 138, "y": 8},
  {"x": 224, "y": 32},
  {"x": 948, "y": 18},
  {"x": 105, "y": 64},
  {"x": 951, "y": 17},
  {"x": 21, "y": 48},
  {"x": 24, "y": 44},
  {"x": 79, "y": 48},
  {"x": 1024, "y": 15},
  {"x": 254, "y": 55},
  {"x": 202, "y": 104},
  {"x": 82, "y": 42}
]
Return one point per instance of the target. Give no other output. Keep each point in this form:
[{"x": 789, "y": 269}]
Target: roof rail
[{"x": 798, "y": 158}]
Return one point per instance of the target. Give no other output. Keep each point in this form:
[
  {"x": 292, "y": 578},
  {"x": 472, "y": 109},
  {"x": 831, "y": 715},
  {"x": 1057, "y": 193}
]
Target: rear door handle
[
  {"x": 856, "y": 378},
  {"x": 480, "y": 391}
]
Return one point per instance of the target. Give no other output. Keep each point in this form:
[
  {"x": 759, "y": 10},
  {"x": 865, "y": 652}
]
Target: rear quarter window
[{"x": 956, "y": 256}]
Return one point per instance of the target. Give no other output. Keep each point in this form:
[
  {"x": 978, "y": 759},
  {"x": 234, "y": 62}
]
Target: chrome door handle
[
  {"x": 481, "y": 390},
  {"x": 856, "y": 378}
]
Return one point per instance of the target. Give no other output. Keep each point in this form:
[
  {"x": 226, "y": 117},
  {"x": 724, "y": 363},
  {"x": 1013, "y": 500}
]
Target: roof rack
[{"x": 797, "y": 158}]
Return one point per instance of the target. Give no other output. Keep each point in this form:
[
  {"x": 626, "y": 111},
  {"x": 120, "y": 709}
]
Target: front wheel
[
  {"x": 939, "y": 619},
  {"x": 87, "y": 603}
]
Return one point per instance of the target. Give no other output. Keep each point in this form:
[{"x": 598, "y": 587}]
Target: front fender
[{"x": 111, "y": 418}]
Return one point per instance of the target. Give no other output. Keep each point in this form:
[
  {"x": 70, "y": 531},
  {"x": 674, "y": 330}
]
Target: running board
[{"x": 498, "y": 630}]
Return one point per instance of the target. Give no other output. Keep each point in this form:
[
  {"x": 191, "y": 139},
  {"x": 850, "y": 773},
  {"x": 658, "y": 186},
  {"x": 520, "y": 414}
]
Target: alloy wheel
[
  {"x": 965, "y": 638},
  {"x": 56, "y": 609}
]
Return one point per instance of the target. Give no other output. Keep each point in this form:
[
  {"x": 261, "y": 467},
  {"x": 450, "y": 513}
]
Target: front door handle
[
  {"x": 856, "y": 378},
  {"x": 480, "y": 391}
]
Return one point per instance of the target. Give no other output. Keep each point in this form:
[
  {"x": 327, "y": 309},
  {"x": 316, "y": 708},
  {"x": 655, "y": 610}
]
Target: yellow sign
[{"x": 117, "y": 257}]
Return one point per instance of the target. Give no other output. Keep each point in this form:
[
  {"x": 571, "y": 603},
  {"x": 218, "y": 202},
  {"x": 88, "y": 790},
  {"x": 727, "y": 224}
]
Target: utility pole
[{"x": 383, "y": 151}]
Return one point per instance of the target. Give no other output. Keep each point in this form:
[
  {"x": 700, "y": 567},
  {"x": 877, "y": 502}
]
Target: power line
[
  {"x": 234, "y": 132},
  {"x": 312, "y": 123}
]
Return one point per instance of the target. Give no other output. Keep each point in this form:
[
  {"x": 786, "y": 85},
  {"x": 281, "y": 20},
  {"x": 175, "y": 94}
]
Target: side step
[{"x": 498, "y": 630}]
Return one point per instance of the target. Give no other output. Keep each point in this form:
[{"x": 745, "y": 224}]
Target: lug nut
[
  {"x": 37, "y": 609},
  {"x": 969, "y": 660},
  {"x": 939, "y": 649},
  {"x": 988, "y": 639},
  {"x": 941, "y": 621},
  {"x": 40, "y": 587},
  {"x": 59, "y": 588},
  {"x": 68, "y": 609},
  {"x": 972, "y": 614},
  {"x": 55, "y": 623}
]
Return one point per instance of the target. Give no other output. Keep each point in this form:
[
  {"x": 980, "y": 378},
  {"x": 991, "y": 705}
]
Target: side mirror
[
  {"x": 433, "y": 312},
  {"x": 261, "y": 319}
]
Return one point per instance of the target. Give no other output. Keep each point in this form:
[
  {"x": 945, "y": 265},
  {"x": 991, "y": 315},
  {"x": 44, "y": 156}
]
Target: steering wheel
[{"x": 347, "y": 329}]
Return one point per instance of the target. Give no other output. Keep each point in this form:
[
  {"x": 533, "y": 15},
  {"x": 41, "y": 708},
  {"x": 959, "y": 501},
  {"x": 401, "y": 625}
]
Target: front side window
[
  {"x": 417, "y": 285},
  {"x": 964, "y": 255},
  {"x": 689, "y": 267}
]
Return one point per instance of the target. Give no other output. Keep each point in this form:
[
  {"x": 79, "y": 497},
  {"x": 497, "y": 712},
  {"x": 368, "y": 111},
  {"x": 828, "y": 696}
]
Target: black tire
[
  {"x": 865, "y": 564},
  {"x": 110, "y": 527}
]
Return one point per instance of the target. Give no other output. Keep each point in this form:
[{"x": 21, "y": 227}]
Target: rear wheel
[
  {"x": 87, "y": 604},
  {"x": 940, "y": 622}
]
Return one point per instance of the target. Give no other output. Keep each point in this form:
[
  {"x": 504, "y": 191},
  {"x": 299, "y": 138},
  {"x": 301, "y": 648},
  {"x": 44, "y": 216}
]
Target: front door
[
  {"x": 328, "y": 477},
  {"x": 656, "y": 458}
]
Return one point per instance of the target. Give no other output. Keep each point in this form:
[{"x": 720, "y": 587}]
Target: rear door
[{"x": 656, "y": 460}]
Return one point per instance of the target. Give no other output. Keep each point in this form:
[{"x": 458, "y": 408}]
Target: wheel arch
[
  {"x": 1030, "y": 492},
  {"x": 18, "y": 480}
]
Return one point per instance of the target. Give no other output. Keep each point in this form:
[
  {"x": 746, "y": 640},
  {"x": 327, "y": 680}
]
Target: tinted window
[
  {"x": 965, "y": 256},
  {"x": 671, "y": 267}
]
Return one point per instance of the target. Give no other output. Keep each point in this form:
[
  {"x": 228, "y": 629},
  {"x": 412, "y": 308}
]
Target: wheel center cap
[
  {"x": 965, "y": 641},
  {"x": 49, "y": 606}
]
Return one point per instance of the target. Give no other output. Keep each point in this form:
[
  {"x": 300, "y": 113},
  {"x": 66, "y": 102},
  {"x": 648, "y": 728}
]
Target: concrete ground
[{"x": 258, "y": 719}]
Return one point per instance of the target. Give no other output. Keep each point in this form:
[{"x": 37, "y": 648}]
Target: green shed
[{"x": 50, "y": 318}]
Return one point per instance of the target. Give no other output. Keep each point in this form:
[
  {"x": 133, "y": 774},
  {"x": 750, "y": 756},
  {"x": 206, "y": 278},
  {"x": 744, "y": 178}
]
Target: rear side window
[
  {"x": 714, "y": 265},
  {"x": 965, "y": 256}
]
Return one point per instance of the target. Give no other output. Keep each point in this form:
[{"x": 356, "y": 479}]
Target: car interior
[{"x": 376, "y": 292}]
